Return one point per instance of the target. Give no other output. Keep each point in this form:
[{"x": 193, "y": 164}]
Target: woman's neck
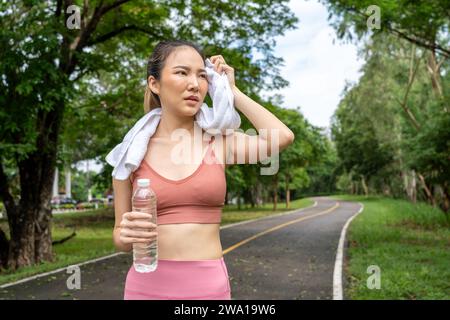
[{"x": 165, "y": 129}]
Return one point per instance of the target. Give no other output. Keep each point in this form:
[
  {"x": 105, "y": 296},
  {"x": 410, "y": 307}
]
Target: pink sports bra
[{"x": 198, "y": 198}]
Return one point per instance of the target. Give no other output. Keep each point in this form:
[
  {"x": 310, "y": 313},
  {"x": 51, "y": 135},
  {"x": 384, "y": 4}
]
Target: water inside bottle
[{"x": 145, "y": 255}]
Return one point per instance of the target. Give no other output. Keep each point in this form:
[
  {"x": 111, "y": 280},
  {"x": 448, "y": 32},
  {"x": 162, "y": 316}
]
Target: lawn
[
  {"x": 94, "y": 235},
  {"x": 409, "y": 243}
]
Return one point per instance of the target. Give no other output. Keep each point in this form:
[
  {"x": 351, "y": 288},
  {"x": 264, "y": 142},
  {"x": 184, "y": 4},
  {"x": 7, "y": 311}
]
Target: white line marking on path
[
  {"x": 268, "y": 217},
  {"x": 58, "y": 270},
  {"x": 337, "y": 274}
]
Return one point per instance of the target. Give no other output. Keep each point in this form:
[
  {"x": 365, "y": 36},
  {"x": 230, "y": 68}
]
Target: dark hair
[{"x": 156, "y": 64}]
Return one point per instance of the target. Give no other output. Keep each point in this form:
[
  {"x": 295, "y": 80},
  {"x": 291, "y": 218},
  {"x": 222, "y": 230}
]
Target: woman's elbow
[
  {"x": 291, "y": 138},
  {"x": 288, "y": 139}
]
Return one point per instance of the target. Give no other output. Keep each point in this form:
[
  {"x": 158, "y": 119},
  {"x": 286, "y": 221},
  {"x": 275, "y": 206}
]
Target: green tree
[
  {"x": 323, "y": 175},
  {"x": 391, "y": 122},
  {"x": 306, "y": 151}
]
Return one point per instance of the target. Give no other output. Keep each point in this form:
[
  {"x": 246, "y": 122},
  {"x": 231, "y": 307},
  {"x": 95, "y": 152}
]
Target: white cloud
[
  {"x": 92, "y": 164},
  {"x": 315, "y": 67}
]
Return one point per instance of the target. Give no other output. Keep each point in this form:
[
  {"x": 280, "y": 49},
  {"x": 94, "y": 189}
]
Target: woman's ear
[{"x": 153, "y": 85}]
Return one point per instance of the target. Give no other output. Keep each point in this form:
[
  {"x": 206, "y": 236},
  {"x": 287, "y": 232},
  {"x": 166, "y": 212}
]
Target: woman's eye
[{"x": 203, "y": 75}]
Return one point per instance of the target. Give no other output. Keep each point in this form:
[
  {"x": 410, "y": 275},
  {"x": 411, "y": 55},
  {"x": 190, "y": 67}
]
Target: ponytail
[{"x": 151, "y": 100}]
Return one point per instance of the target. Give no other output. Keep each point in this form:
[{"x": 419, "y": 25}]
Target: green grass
[
  {"x": 409, "y": 243},
  {"x": 232, "y": 215},
  {"x": 94, "y": 235}
]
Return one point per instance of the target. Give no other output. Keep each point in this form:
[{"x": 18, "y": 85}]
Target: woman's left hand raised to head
[{"x": 221, "y": 66}]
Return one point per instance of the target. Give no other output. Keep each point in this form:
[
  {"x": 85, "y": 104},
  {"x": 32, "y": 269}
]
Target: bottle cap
[{"x": 143, "y": 182}]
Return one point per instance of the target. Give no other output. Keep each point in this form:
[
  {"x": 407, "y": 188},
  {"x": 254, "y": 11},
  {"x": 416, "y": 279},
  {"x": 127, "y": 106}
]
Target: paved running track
[{"x": 288, "y": 256}]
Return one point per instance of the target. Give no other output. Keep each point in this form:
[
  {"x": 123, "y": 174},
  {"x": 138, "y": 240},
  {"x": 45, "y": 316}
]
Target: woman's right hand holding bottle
[{"x": 136, "y": 227}]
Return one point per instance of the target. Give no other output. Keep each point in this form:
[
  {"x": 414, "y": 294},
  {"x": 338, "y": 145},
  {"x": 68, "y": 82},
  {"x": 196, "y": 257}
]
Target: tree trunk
[
  {"x": 288, "y": 192},
  {"x": 30, "y": 221},
  {"x": 249, "y": 196},
  {"x": 21, "y": 246},
  {"x": 275, "y": 192},
  {"x": 413, "y": 187},
  {"x": 433, "y": 69},
  {"x": 30, "y": 229},
  {"x": 364, "y": 185},
  {"x": 386, "y": 189},
  {"x": 427, "y": 191},
  {"x": 258, "y": 196},
  {"x": 4, "y": 248},
  {"x": 446, "y": 198},
  {"x": 409, "y": 185},
  {"x": 43, "y": 237}
]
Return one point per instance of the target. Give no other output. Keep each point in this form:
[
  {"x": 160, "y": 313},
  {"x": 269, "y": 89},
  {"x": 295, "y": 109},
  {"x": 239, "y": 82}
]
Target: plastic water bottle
[{"x": 145, "y": 255}]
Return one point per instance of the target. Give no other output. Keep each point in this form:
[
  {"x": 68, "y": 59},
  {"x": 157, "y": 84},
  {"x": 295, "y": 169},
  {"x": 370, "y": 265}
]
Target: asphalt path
[{"x": 288, "y": 256}]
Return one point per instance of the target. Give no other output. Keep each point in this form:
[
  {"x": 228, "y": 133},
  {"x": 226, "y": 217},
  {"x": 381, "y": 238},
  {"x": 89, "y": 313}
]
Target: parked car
[
  {"x": 61, "y": 202},
  {"x": 68, "y": 201}
]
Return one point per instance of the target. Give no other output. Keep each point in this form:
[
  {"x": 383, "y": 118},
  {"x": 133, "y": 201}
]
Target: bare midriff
[{"x": 189, "y": 241}]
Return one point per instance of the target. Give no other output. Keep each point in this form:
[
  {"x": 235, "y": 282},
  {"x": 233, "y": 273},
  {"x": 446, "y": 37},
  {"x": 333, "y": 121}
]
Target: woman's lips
[{"x": 190, "y": 101}]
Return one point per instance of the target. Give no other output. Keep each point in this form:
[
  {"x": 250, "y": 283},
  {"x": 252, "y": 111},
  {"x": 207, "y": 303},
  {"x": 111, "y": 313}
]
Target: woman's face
[{"x": 183, "y": 75}]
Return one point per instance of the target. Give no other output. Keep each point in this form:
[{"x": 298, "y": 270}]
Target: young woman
[{"x": 190, "y": 196}]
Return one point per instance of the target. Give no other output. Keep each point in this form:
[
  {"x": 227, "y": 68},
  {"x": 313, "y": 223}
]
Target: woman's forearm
[{"x": 261, "y": 118}]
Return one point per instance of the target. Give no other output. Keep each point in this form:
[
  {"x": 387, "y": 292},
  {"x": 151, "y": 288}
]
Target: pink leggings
[{"x": 180, "y": 280}]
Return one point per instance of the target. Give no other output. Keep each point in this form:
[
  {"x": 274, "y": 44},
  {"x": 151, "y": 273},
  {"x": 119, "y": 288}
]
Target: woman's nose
[{"x": 193, "y": 81}]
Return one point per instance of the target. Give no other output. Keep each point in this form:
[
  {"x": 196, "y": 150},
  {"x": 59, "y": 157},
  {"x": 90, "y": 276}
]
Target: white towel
[{"x": 127, "y": 155}]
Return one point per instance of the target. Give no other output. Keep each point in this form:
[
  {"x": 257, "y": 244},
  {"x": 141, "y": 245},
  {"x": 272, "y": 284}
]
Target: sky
[{"x": 316, "y": 68}]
